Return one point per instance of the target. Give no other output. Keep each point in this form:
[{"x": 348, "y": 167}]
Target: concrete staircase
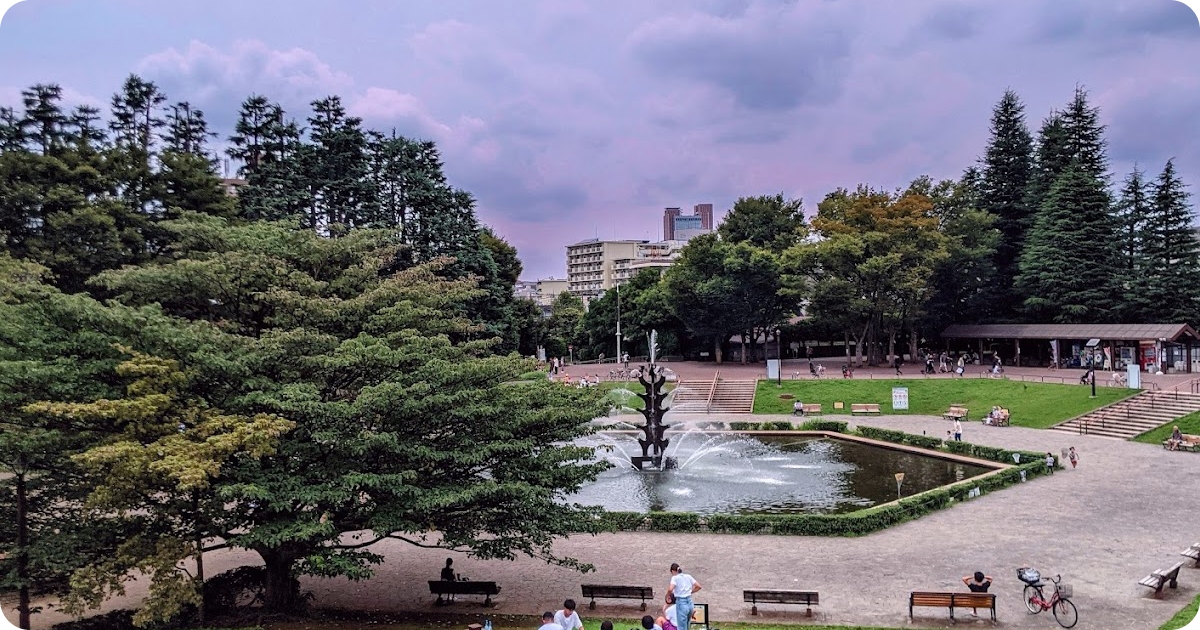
[
  {"x": 691, "y": 396},
  {"x": 715, "y": 396},
  {"x": 1134, "y": 415},
  {"x": 733, "y": 397}
]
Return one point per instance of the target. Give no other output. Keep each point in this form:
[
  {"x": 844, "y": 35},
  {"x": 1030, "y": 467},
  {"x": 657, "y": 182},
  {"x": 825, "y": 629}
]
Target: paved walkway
[{"x": 1128, "y": 509}]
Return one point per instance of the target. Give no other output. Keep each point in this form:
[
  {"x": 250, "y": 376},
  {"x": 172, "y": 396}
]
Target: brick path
[{"x": 1129, "y": 508}]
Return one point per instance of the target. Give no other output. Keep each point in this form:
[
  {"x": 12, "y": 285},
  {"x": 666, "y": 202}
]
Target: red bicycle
[{"x": 1035, "y": 599}]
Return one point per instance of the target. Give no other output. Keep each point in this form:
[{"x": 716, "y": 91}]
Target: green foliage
[
  {"x": 770, "y": 222},
  {"x": 779, "y": 425},
  {"x": 1035, "y": 405},
  {"x": 1006, "y": 172},
  {"x": 1170, "y": 263},
  {"x": 837, "y": 426},
  {"x": 1188, "y": 425},
  {"x": 900, "y": 437},
  {"x": 1066, "y": 274}
]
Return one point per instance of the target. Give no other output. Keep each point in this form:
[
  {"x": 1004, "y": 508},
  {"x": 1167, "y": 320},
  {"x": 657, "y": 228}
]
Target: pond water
[{"x": 730, "y": 473}]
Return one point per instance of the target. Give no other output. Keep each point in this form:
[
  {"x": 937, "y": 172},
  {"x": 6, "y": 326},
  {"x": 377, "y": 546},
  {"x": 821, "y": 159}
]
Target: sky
[{"x": 570, "y": 119}]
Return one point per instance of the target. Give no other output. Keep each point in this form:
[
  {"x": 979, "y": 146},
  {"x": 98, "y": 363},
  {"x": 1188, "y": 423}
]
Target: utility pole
[{"x": 617, "y": 359}]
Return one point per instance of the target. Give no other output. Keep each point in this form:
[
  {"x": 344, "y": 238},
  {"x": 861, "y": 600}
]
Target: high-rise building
[
  {"x": 705, "y": 212},
  {"x": 669, "y": 216},
  {"x": 680, "y": 227}
]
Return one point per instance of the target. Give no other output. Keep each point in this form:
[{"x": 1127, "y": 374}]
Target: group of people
[{"x": 676, "y": 613}]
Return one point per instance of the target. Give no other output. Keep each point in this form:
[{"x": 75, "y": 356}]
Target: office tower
[
  {"x": 669, "y": 216},
  {"x": 705, "y": 212}
]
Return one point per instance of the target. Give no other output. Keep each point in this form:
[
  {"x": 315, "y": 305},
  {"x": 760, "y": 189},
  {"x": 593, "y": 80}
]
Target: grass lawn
[
  {"x": 1035, "y": 405},
  {"x": 1185, "y": 616},
  {"x": 1189, "y": 424}
]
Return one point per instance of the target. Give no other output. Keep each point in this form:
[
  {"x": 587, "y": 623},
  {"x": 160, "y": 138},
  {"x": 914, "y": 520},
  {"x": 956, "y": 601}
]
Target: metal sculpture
[{"x": 653, "y": 442}]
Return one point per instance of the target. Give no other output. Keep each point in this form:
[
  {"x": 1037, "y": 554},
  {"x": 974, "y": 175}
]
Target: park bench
[
  {"x": 1161, "y": 578},
  {"x": 1004, "y": 419},
  {"x": 952, "y": 601},
  {"x": 856, "y": 408},
  {"x": 803, "y": 598},
  {"x": 463, "y": 587},
  {"x": 1192, "y": 552},
  {"x": 956, "y": 412},
  {"x": 811, "y": 409},
  {"x": 608, "y": 591},
  {"x": 1189, "y": 443}
]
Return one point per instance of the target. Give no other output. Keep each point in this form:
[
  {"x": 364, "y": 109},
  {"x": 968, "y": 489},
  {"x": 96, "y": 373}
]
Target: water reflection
[{"x": 730, "y": 473}]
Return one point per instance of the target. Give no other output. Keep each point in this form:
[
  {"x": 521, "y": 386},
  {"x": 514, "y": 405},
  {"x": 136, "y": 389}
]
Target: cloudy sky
[{"x": 570, "y": 119}]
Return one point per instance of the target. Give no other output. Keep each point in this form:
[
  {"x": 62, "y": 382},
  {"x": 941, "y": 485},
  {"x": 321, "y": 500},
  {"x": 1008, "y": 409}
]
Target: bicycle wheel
[
  {"x": 1065, "y": 613},
  {"x": 1031, "y": 594}
]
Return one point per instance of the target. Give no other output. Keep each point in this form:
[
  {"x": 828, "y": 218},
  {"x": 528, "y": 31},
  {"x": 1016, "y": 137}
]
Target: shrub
[
  {"x": 622, "y": 521},
  {"x": 674, "y": 522},
  {"x": 837, "y": 426},
  {"x": 899, "y": 437}
]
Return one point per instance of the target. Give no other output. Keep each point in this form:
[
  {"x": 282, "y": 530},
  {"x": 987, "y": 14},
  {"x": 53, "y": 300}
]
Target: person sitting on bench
[
  {"x": 448, "y": 571},
  {"x": 798, "y": 408},
  {"x": 1175, "y": 440},
  {"x": 977, "y": 583}
]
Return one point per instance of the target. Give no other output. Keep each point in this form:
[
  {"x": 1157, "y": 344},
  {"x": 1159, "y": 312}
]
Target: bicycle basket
[
  {"x": 1064, "y": 590},
  {"x": 1029, "y": 575}
]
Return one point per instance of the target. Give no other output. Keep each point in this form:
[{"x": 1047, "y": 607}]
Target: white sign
[
  {"x": 899, "y": 398},
  {"x": 772, "y": 369}
]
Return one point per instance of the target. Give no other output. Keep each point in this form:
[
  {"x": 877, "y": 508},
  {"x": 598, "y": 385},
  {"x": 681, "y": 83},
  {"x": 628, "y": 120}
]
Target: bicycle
[{"x": 1035, "y": 599}]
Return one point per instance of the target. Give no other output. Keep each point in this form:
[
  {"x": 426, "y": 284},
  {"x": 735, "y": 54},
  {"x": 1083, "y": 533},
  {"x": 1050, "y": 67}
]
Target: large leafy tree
[
  {"x": 400, "y": 430},
  {"x": 769, "y": 221}
]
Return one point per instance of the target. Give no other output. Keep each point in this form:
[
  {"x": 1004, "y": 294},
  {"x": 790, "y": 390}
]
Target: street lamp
[{"x": 617, "y": 359}]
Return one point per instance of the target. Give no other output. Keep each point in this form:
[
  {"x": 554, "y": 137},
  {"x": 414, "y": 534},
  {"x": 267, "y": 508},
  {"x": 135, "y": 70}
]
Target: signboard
[
  {"x": 1135, "y": 376},
  {"x": 772, "y": 369},
  {"x": 899, "y": 398}
]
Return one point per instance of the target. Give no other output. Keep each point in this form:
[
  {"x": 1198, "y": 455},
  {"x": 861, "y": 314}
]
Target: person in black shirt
[
  {"x": 977, "y": 583},
  {"x": 448, "y": 571}
]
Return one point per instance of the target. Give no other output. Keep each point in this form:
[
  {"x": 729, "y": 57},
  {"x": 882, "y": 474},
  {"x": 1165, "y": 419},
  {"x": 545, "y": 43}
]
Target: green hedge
[
  {"x": 857, "y": 523},
  {"x": 837, "y": 426},
  {"x": 781, "y": 425}
]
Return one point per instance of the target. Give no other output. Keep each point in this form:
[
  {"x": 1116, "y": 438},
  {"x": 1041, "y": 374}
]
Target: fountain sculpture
[{"x": 653, "y": 443}]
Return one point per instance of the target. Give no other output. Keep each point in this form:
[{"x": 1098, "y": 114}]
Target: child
[
  {"x": 648, "y": 623},
  {"x": 1050, "y": 462},
  {"x": 1073, "y": 457}
]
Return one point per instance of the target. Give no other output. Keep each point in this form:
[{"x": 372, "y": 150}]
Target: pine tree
[
  {"x": 252, "y": 131},
  {"x": 1051, "y": 159},
  {"x": 1085, "y": 136},
  {"x": 1170, "y": 281},
  {"x": 1067, "y": 271},
  {"x": 85, "y": 133},
  {"x": 1133, "y": 210},
  {"x": 187, "y": 131},
  {"x": 1007, "y": 171},
  {"x": 135, "y": 113},
  {"x": 44, "y": 118},
  {"x": 12, "y": 135}
]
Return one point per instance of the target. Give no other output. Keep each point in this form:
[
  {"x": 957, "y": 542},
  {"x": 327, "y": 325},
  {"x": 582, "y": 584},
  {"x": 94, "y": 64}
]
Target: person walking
[
  {"x": 1073, "y": 457},
  {"x": 681, "y": 588},
  {"x": 957, "y": 430}
]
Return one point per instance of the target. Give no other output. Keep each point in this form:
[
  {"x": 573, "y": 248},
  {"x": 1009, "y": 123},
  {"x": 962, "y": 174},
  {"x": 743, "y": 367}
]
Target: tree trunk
[
  {"x": 279, "y": 590},
  {"x": 23, "y": 612},
  {"x": 744, "y": 333},
  {"x": 846, "y": 339},
  {"x": 717, "y": 350}
]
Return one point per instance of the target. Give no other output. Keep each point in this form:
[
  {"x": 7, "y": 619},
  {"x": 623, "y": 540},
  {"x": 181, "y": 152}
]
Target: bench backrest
[
  {"x": 817, "y": 407},
  {"x": 781, "y": 597},
  {"x": 957, "y": 600},
  {"x": 864, "y": 406},
  {"x": 607, "y": 590},
  {"x": 447, "y": 587},
  {"x": 1173, "y": 572},
  {"x": 958, "y": 411}
]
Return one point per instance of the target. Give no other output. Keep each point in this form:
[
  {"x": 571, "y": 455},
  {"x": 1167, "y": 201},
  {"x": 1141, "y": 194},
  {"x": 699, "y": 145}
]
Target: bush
[
  {"x": 622, "y": 521},
  {"x": 899, "y": 437},
  {"x": 837, "y": 426},
  {"x": 674, "y": 522},
  {"x": 536, "y": 375}
]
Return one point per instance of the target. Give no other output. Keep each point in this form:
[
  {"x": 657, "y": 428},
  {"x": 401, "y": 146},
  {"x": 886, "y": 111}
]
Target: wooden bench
[
  {"x": 1161, "y": 578},
  {"x": 1192, "y": 552},
  {"x": 956, "y": 412},
  {"x": 811, "y": 409},
  {"x": 1189, "y": 443},
  {"x": 608, "y": 591},
  {"x": 463, "y": 587},
  {"x": 951, "y": 601},
  {"x": 803, "y": 598},
  {"x": 856, "y": 408},
  {"x": 1004, "y": 419}
]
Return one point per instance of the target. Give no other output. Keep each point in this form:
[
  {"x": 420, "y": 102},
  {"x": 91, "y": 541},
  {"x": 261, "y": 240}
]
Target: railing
[{"x": 712, "y": 391}]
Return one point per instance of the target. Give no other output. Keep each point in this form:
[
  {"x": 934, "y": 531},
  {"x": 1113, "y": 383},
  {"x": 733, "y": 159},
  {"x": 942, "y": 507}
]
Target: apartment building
[
  {"x": 680, "y": 227},
  {"x": 594, "y": 266}
]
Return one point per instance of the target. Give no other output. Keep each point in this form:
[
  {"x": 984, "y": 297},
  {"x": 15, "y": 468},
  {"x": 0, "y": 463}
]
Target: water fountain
[{"x": 653, "y": 443}]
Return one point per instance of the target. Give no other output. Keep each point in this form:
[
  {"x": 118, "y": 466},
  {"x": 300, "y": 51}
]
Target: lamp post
[
  {"x": 617, "y": 359},
  {"x": 779, "y": 346}
]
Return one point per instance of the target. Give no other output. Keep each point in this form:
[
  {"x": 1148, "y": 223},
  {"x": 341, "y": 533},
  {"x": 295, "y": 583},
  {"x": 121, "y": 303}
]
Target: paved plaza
[{"x": 1128, "y": 509}]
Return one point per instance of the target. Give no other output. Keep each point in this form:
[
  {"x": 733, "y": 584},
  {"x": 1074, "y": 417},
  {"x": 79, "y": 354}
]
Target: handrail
[{"x": 712, "y": 391}]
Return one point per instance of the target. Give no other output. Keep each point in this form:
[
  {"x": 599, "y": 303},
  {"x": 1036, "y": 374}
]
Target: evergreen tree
[
  {"x": 187, "y": 131},
  {"x": 1084, "y": 136},
  {"x": 136, "y": 115},
  {"x": 255, "y": 127},
  {"x": 1170, "y": 280},
  {"x": 85, "y": 133},
  {"x": 1051, "y": 159},
  {"x": 1067, "y": 268},
  {"x": 337, "y": 172},
  {"x": 44, "y": 118},
  {"x": 1006, "y": 174},
  {"x": 1132, "y": 211},
  {"x": 12, "y": 134}
]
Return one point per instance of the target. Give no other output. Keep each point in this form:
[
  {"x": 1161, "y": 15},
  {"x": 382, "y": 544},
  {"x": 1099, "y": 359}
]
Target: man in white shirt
[
  {"x": 567, "y": 618},
  {"x": 548, "y": 622}
]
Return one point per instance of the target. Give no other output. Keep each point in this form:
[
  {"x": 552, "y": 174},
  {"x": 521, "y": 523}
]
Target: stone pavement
[{"x": 1127, "y": 510}]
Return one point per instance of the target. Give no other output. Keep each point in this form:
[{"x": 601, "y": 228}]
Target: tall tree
[
  {"x": 1052, "y": 158},
  {"x": 1068, "y": 267},
  {"x": 769, "y": 221},
  {"x": 1168, "y": 281},
  {"x": 44, "y": 118},
  {"x": 1084, "y": 136},
  {"x": 703, "y": 294},
  {"x": 84, "y": 129},
  {"x": 187, "y": 130},
  {"x": 1007, "y": 170},
  {"x": 136, "y": 114}
]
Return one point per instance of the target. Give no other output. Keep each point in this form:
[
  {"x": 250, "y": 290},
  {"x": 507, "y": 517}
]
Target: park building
[{"x": 1152, "y": 348}]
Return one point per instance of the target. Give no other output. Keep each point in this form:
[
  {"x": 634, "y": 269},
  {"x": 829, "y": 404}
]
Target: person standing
[
  {"x": 567, "y": 618},
  {"x": 957, "y": 430},
  {"x": 681, "y": 587}
]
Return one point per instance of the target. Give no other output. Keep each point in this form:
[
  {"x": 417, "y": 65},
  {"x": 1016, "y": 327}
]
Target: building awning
[{"x": 1105, "y": 332}]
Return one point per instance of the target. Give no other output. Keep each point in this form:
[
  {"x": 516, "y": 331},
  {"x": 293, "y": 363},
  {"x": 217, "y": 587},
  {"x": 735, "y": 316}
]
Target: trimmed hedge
[
  {"x": 836, "y": 426},
  {"x": 857, "y": 523},
  {"x": 779, "y": 425}
]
